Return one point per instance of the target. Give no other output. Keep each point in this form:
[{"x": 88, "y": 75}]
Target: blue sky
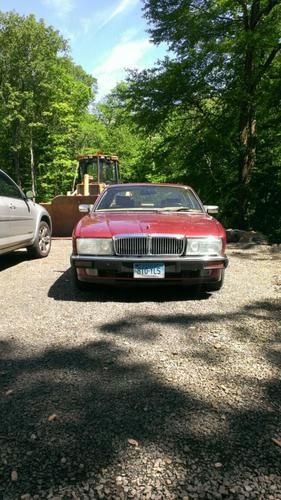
[{"x": 105, "y": 36}]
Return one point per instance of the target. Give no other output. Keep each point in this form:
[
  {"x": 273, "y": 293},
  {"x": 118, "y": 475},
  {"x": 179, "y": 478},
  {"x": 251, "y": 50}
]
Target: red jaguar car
[{"x": 149, "y": 233}]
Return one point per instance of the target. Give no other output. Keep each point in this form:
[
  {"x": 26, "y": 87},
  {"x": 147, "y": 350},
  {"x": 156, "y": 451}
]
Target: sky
[{"x": 105, "y": 37}]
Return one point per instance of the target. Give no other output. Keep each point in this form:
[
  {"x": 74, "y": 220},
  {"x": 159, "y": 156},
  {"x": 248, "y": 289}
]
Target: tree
[
  {"x": 42, "y": 97},
  {"x": 110, "y": 128},
  {"x": 222, "y": 53}
]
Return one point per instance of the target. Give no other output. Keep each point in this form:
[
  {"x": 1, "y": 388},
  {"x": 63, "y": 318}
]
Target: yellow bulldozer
[{"x": 94, "y": 172}]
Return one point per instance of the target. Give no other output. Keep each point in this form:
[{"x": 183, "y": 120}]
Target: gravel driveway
[{"x": 149, "y": 393}]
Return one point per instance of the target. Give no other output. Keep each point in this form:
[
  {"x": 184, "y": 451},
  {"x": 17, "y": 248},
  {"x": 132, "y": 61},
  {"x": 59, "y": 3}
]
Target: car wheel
[
  {"x": 42, "y": 244},
  {"x": 214, "y": 287},
  {"x": 81, "y": 285}
]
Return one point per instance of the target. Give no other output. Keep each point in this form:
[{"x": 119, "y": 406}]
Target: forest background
[{"x": 207, "y": 115}]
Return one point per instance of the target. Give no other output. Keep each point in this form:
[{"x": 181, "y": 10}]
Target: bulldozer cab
[{"x": 95, "y": 171}]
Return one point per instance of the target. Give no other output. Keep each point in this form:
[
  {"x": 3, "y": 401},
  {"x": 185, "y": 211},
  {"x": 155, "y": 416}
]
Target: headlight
[
  {"x": 204, "y": 246},
  {"x": 94, "y": 246}
]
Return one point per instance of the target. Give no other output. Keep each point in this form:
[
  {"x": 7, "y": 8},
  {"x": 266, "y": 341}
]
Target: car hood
[{"x": 106, "y": 225}]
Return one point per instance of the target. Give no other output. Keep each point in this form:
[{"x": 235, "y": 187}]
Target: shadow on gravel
[
  {"x": 64, "y": 289},
  {"x": 13, "y": 259},
  {"x": 71, "y": 413}
]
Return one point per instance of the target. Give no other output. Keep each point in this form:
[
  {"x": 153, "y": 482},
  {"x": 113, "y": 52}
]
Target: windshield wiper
[
  {"x": 185, "y": 209},
  {"x": 179, "y": 209}
]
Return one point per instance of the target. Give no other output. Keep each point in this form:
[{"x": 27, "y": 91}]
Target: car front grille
[{"x": 149, "y": 244}]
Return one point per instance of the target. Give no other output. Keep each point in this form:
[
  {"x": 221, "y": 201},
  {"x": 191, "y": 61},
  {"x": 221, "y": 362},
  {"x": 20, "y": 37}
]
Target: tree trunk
[
  {"x": 32, "y": 166},
  {"x": 247, "y": 137},
  {"x": 247, "y": 122},
  {"x": 16, "y": 152}
]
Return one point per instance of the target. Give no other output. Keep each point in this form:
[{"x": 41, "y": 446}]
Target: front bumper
[{"x": 191, "y": 270}]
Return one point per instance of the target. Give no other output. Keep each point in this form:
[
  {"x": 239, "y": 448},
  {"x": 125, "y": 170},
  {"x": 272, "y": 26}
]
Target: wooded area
[{"x": 209, "y": 115}]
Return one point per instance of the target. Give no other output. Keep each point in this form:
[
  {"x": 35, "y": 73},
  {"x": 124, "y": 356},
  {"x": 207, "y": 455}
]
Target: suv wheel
[{"x": 42, "y": 244}]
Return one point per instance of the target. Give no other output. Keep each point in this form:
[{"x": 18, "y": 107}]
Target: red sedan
[{"x": 149, "y": 233}]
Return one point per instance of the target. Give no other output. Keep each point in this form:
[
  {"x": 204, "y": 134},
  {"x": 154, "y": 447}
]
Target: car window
[
  {"x": 8, "y": 188},
  {"x": 148, "y": 197}
]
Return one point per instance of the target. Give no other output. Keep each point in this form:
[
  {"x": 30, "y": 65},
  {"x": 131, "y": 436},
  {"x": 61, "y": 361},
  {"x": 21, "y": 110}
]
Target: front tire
[{"x": 42, "y": 244}]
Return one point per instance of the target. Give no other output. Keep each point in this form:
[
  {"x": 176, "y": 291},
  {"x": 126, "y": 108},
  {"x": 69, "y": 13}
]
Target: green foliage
[
  {"x": 209, "y": 108},
  {"x": 112, "y": 130},
  {"x": 209, "y": 115},
  {"x": 42, "y": 98}
]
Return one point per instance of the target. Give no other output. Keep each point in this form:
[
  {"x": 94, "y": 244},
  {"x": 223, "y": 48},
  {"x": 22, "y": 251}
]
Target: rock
[
  {"x": 223, "y": 490},
  {"x": 241, "y": 236},
  {"x": 218, "y": 465},
  {"x": 248, "y": 488},
  {"x": 63, "y": 460},
  {"x": 276, "y": 248},
  {"x": 133, "y": 442},
  {"x": 232, "y": 235},
  {"x": 52, "y": 417},
  {"x": 26, "y": 496},
  {"x": 190, "y": 488},
  {"x": 99, "y": 487},
  {"x": 14, "y": 476},
  {"x": 277, "y": 442},
  {"x": 9, "y": 392}
]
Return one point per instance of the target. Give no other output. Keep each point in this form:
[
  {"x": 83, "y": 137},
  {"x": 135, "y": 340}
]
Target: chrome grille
[{"x": 149, "y": 244}]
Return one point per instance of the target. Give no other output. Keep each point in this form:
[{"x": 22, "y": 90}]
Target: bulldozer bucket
[{"x": 64, "y": 211}]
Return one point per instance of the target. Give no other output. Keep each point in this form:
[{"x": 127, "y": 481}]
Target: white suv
[{"x": 23, "y": 223}]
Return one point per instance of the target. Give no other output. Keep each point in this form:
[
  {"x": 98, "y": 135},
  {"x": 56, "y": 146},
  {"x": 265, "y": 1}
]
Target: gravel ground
[{"x": 139, "y": 393}]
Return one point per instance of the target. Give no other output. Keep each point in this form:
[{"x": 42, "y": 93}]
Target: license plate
[{"x": 149, "y": 270}]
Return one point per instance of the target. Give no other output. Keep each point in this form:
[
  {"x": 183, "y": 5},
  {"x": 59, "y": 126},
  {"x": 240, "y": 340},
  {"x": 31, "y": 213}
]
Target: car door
[
  {"x": 4, "y": 222},
  {"x": 16, "y": 221}
]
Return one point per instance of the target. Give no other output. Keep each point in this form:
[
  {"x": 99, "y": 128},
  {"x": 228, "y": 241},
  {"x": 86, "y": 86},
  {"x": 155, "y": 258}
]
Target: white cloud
[
  {"x": 61, "y": 7},
  {"x": 100, "y": 18},
  {"x": 123, "y": 5},
  {"x": 125, "y": 55}
]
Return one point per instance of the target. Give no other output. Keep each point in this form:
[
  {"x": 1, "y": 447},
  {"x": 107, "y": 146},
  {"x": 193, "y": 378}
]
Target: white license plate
[{"x": 151, "y": 270}]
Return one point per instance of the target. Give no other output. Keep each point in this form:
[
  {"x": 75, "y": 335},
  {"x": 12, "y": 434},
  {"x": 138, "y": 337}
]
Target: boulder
[{"x": 240, "y": 236}]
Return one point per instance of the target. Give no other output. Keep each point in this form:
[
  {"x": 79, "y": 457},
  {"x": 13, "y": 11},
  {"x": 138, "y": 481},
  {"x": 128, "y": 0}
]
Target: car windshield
[{"x": 164, "y": 198}]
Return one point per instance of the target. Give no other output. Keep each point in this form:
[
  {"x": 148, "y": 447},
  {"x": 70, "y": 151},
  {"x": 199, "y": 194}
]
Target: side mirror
[
  {"x": 212, "y": 209},
  {"x": 30, "y": 195},
  {"x": 85, "y": 208}
]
